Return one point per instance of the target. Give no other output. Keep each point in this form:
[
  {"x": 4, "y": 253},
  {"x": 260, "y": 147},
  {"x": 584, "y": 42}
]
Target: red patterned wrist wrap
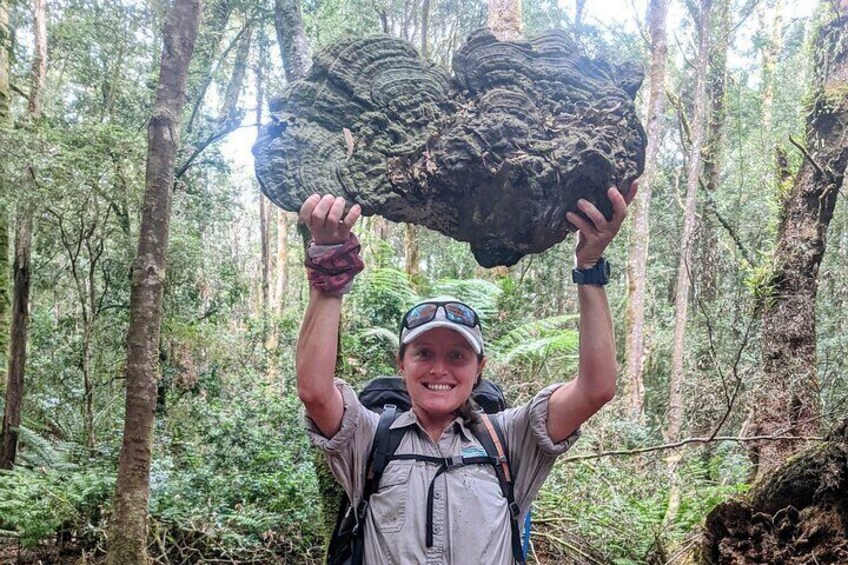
[{"x": 332, "y": 269}]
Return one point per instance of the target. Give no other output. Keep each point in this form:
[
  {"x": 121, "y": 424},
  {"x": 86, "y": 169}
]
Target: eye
[
  {"x": 458, "y": 355},
  {"x": 422, "y": 353}
]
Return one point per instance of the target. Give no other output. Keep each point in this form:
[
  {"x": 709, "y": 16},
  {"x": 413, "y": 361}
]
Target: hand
[
  {"x": 323, "y": 216},
  {"x": 596, "y": 235}
]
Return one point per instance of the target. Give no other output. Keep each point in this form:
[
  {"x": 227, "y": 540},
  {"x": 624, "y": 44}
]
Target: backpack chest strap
[{"x": 445, "y": 464}]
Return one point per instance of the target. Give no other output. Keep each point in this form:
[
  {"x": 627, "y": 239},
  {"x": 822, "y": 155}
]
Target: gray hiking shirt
[{"x": 470, "y": 516}]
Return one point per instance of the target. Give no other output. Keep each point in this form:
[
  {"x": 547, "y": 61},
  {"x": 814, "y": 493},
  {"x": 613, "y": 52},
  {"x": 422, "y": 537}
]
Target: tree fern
[
  {"x": 479, "y": 294},
  {"x": 551, "y": 338}
]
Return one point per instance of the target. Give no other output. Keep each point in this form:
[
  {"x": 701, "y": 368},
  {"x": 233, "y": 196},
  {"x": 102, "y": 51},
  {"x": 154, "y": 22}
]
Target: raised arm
[
  {"x": 318, "y": 340},
  {"x": 576, "y": 402}
]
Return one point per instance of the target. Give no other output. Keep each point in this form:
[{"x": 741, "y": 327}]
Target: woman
[{"x": 440, "y": 359}]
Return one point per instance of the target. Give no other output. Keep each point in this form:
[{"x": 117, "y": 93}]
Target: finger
[
  {"x": 334, "y": 217},
  {"x": 352, "y": 215},
  {"x": 619, "y": 205},
  {"x": 319, "y": 214},
  {"x": 592, "y": 213},
  {"x": 307, "y": 208},
  {"x": 631, "y": 194},
  {"x": 582, "y": 224}
]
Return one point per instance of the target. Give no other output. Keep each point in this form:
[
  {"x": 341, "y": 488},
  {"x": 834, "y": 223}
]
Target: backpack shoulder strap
[
  {"x": 386, "y": 442},
  {"x": 493, "y": 441}
]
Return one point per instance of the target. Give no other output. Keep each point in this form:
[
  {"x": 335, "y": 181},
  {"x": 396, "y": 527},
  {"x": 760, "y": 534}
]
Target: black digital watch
[{"x": 599, "y": 274}]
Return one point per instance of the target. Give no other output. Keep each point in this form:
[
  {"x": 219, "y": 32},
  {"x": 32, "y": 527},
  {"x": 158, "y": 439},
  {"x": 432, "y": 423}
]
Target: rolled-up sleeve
[
  {"x": 532, "y": 452},
  {"x": 347, "y": 451}
]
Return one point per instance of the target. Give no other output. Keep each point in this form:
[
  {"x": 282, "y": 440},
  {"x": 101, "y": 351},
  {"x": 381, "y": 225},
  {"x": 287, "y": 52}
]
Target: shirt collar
[{"x": 409, "y": 418}]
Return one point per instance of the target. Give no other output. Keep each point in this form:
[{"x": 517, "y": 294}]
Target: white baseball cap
[{"x": 450, "y": 313}]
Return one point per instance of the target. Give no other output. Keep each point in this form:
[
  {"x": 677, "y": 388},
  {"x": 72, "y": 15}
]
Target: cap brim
[{"x": 433, "y": 324}]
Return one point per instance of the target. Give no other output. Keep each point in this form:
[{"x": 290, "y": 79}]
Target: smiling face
[{"x": 440, "y": 368}]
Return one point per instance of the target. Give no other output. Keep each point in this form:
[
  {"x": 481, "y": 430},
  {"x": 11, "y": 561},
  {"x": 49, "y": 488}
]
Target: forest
[{"x": 151, "y": 295}]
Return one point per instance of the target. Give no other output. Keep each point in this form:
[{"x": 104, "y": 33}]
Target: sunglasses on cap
[{"x": 456, "y": 312}]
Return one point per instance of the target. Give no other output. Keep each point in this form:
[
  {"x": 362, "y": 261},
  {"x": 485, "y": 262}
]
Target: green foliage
[
  {"x": 237, "y": 466},
  {"x": 550, "y": 339},
  {"x": 619, "y": 505},
  {"x": 380, "y": 298},
  {"x": 37, "y": 503}
]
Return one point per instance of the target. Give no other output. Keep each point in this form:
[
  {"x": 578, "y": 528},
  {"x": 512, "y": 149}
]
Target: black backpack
[{"x": 388, "y": 396}]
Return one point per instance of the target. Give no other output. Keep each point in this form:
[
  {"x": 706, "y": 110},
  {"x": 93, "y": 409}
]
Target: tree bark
[
  {"x": 16, "y": 365},
  {"x": 229, "y": 107},
  {"x": 505, "y": 19},
  {"x": 39, "y": 63},
  {"x": 5, "y": 65},
  {"x": 786, "y": 394},
  {"x": 707, "y": 237},
  {"x": 770, "y": 54},
  {"x": 128, "y": 528},
  {"x": 5, "y": 123},
  {"x": 634, "y": 390},
  {"x": 674, "y": 421},
  {"x": 208, "y": 45},
  {"x": 265, "y": 252},
  {"x": 281, "y": 280},
  {"x": 294, "y": 48},
  {"x": 19, "y": 326},
  {"x": 425, "y": 28},
  {"x": 411, "y": 250}
]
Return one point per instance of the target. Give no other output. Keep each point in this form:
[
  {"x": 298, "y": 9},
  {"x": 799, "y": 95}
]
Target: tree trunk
[
  {"x": 770, "y": 55},
  {"x": 16, "y": 364},
  {"x": 39, "y": 64},
  {"x": 786, "y": 396},
  {"x": 707, "y": 237},
  {"x": 128, "y": 528},
  {"x": 294, "y": 48},
  {"x": 5, "y": 65},
  {"x": 282, "y": 274},
  {"x": 5, "y": 123},
  {"x": 229, "y": 107},
  {"x": 411, "y": 250},
  {"x": 208, "y": 45},
  {"x": 634, "y": 394},
  {"x": 19, "y": 326},
  {"x": 425, "y": 28},
  {"x": 674, "y": 421},
  {"x": 505, "y": 19},
  {"x": 265, "y": 252}
]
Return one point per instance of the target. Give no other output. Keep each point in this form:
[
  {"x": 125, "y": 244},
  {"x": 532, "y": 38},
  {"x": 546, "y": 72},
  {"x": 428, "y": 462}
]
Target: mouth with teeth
[{"x": 439, "y": 387}]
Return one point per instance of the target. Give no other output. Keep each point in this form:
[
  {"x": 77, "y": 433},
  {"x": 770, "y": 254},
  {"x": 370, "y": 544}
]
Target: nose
[{"x": 438, "y": 367}]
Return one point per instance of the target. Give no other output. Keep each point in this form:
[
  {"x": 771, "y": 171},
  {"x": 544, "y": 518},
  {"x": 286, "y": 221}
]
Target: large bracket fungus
[{"x": 493, "y": 155}]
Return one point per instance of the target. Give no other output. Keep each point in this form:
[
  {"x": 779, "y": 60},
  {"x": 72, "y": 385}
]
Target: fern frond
[
  {"x": 479, "y": 294},
  {"x": 39, "y": 451},
  {"x": 548, "y": 338},
  {"x": 389, "y": 336}
]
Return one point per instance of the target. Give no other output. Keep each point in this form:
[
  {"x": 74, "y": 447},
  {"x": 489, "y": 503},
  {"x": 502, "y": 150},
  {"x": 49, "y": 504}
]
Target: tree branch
[
  {"x": 688, "y": 441},
  {"x": 809, "y": 157}
]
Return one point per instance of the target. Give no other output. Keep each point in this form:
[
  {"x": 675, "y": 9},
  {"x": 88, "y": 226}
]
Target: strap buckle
[
  {"x": 454, "y": 461},
  {"x": 514, "y": 509},
  {"x": 361, "y": 511}
]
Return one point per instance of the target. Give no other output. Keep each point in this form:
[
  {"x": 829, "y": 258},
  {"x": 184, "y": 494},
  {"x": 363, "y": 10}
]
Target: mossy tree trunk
[
  {"x": 5, "y": 123},
  {"x": 128, "y": 528},
  {"x": 23, "y": 247},
  {"x": 786, "y": 397}
]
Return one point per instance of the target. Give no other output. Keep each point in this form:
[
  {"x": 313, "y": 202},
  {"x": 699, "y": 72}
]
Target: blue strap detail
[{"x": 525, "y": 546}]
